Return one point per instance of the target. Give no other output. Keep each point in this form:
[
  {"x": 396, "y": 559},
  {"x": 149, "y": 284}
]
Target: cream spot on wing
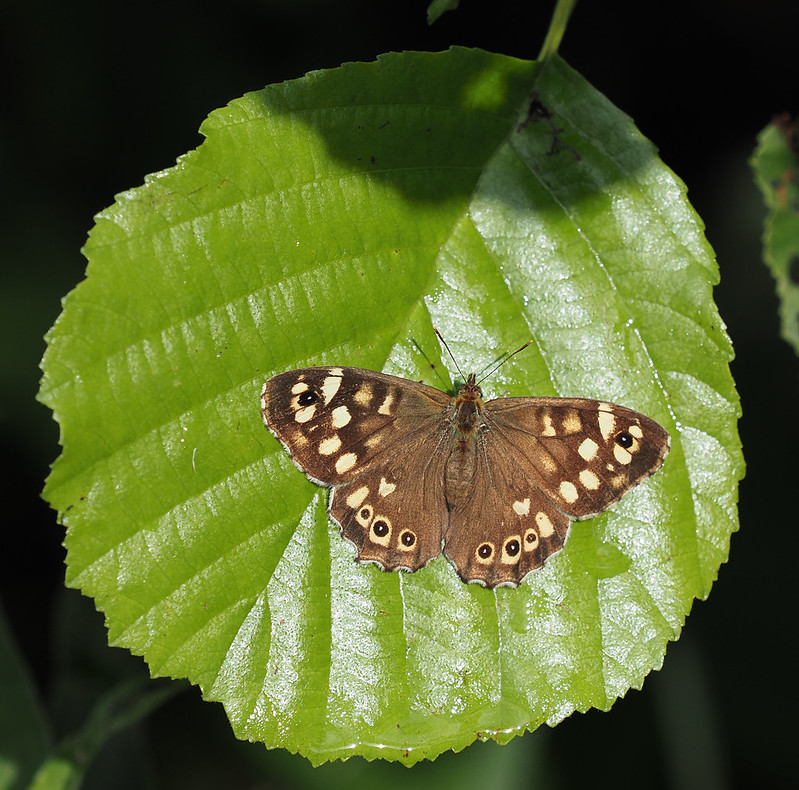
[
  {"x": 385, "y": 406},
  {"x": 303, "y": 415},
  {"x": 549, "y": 428},
  {"x": 531, "y": 538},
  {"x": 335, "y": 372},
  {"x": 341, "y": 417},
  {"x": 373, "y": 440},
  {"x": 607, "y": 420},
  {"x": 572, "y": 422},
  {"x": 345, "y": 462},
  {"x": 364, "y": 515},
  {"x": 363, "y": 395},
  {"x": 589, "y": 480},
  {"x": 522, "y": 507},
  {"x": 622, "y": 455},
  {"x": 568, "y": 491},
  {"x": 381, "y": 531},
  {"x": 635, "y": 430},
  {"x": 330, "y": 445},
  {"x": 619, "y": 481},
  {"x": 330, "y": 386},
  {"x": 385, "y": 487},
  {"x": 300, "y": 386},
  {"x": 357, "y": 497},
  {"x": 511, "y": 550},
  {"x": 544, "y": 523},
  {"x": 587, "y": 449}
]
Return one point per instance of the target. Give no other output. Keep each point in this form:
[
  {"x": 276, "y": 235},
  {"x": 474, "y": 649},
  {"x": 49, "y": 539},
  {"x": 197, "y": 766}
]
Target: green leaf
[
  {"x": 439, "y": 7},
  {"x": 776, "y": 166},
  {"x": 336, "y": 219}
]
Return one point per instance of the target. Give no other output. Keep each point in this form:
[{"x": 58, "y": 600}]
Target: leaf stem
[{"x": 557, "y": 27}]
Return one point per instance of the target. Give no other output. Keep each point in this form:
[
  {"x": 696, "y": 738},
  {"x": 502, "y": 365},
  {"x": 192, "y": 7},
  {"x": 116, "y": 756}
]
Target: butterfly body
[
  {"x": 464, "y": 421},
  {"x": 495, "y": 484}
]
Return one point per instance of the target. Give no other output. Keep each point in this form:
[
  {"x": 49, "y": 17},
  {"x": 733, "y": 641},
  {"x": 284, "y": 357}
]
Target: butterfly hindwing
[
  {"x": 504, "y": 527},
  {"x": 395, "y": 513}
]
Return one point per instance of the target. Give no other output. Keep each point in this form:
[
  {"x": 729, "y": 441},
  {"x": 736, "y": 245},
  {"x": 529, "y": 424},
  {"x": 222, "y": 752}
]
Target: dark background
[{"x": 96, "y": 95}]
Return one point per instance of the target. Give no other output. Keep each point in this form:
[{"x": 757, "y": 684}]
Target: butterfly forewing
[
  {"x": 337, "y": 421},
  {"x": 582, "y": 454}
]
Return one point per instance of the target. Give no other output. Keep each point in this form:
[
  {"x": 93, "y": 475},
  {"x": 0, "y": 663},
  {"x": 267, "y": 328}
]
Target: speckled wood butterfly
[{"x": 496, "y": 482}]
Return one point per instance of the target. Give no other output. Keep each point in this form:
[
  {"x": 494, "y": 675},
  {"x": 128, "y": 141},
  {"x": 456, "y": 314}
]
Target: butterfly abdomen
[{"x": 459, "y": 473}]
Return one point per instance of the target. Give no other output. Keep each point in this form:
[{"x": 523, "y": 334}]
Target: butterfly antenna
[
  {"x": 449, "y": 351},
  {"x": 433, "y": 367},
  {"x": 504, "y": 360}
]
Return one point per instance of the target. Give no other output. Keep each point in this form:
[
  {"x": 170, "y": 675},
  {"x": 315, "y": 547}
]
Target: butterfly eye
[
  {"x": 408, "y": 538},
  {"x": 484, "y": 551},
  {"x": 307, "y": 398},
  {"x": 623, "y": 439},
  {"x": 512, "y": 547}
]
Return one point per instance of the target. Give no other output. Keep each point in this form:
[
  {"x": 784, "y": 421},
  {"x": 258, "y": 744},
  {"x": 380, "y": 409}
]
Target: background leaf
[
  {"x": 335, "y": 219},
  {"x": 776, "y": 167},
  {"x": 24, "y": 734},
  {"x": 439, "y": 7}
]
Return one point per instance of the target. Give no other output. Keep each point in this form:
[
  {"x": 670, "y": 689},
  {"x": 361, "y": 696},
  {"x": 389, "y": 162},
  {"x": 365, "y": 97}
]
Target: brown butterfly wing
[
  {"x": 584, "y": 454},
  {"x": 504, "y": 526},
  {"x": 375, "y": 438},
  {"x": 395, "y": 512},
  {"x": 539, "y": 464}
]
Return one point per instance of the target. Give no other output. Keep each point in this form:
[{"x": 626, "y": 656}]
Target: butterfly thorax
[{"x": 467, "y": 411}]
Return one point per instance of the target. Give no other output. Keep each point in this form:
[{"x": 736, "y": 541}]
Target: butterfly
[{"x": 494, "y": 484}]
